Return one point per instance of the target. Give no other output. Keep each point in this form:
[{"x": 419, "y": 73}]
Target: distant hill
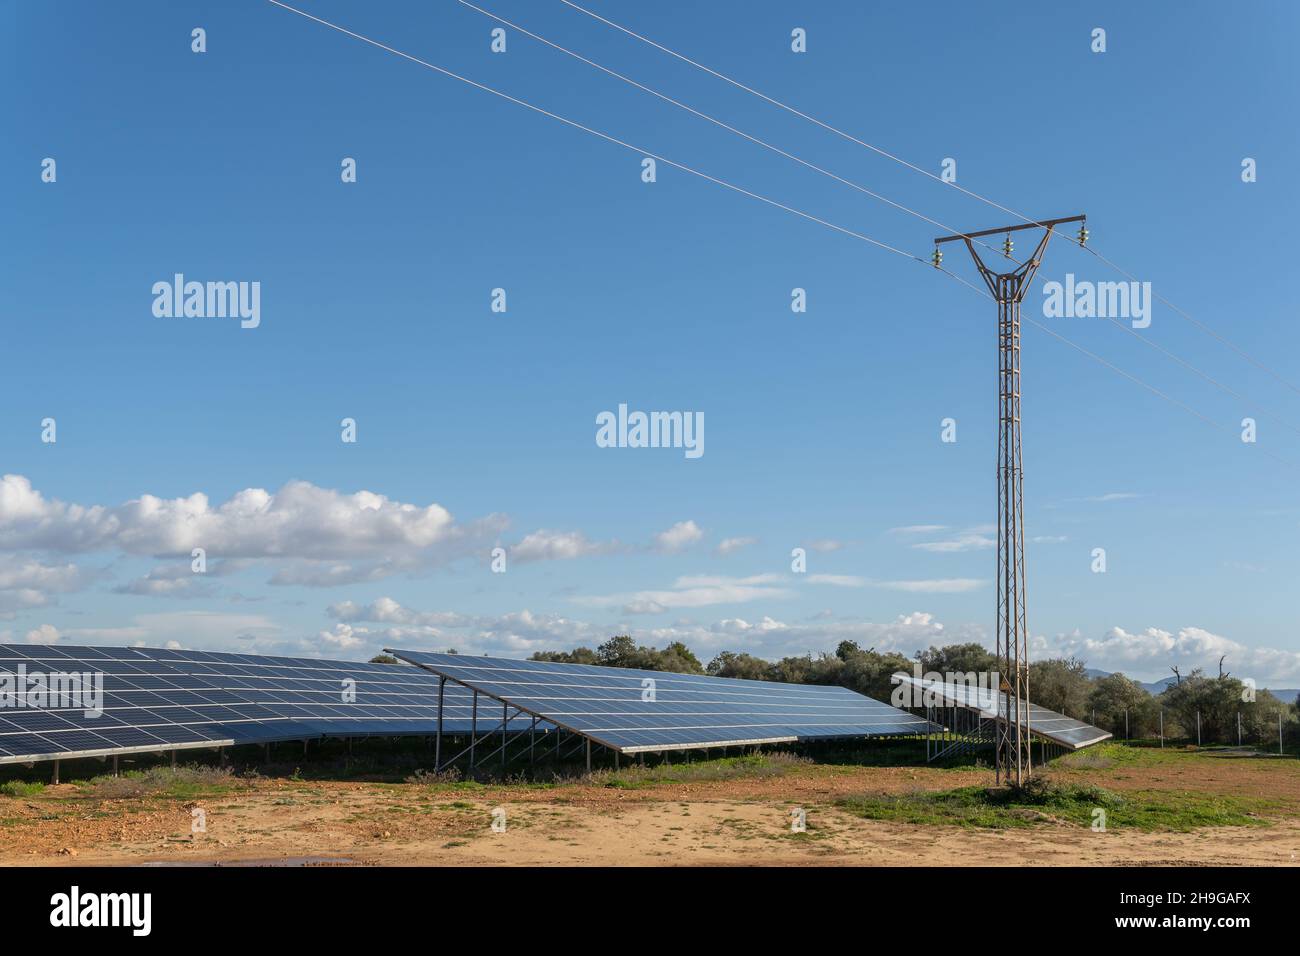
[{"x": 1287, "y": 694}]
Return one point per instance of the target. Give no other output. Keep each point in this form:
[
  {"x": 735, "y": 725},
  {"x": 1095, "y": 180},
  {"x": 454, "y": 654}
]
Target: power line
[
  {"x": 712, "y": 119},
  {"x": 739, "y": 189},
  {"x": 857, "y": 186},
  {"x": 604, "y": 136},
  {"x": 925, "y": 172}
]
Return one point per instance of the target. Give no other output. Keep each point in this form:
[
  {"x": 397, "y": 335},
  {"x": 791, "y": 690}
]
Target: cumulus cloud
[
  {"x": 387, "y": 623},
  {"x": 385, "y": 610},
  {"x": 1152, "y": 651},
  {"x": 45, "y": 634},
  {"x": 27, "y": 583},
  {"x": 544, "y": 545},
  {"x": 299, "y": 521},
  {"x": 681, "y": 535}
]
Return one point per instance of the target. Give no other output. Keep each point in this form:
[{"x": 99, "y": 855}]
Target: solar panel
[
  {"x": 616, "y": 706},
  {"x": 1055, "y": 727},
  {"x": 163, "y": 699}
]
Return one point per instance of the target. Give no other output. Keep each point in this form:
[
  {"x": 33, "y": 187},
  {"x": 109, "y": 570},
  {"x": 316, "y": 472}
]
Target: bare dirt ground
[{"x": 727, "y": 822}]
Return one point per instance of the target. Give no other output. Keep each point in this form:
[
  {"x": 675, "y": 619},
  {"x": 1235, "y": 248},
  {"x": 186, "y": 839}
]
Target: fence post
[
  {"x": 1198, "y": 728},
  {"x": 1126, "y": 736},
  {"x": 1238, "y": 728},
  {"x": 1162, "y": 728}
]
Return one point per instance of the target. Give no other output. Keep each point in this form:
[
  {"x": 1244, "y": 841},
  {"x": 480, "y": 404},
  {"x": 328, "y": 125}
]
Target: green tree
[
  {"x": 958, "y": 658},
  {"x": 1060, "y": 685},
  {"x": 745, "y": 666},
  {"x": 622, "y": 651},
  {"x": 1111, "y": 696}
]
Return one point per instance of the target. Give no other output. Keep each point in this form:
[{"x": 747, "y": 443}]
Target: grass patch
[
  {"x": 1044, "y": 802},
  {"x": 182, "y": 783},
  {"x": 748, "y": 766},
  {"x": 21, "y": 788}
]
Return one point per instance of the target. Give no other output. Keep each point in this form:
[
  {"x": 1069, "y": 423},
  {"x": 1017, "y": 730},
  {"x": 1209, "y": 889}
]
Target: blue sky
[{"x": 477, "y": 429}]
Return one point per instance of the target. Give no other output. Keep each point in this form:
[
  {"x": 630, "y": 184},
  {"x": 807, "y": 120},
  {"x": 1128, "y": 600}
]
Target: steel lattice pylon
[{"x": 1012, "y": 735}]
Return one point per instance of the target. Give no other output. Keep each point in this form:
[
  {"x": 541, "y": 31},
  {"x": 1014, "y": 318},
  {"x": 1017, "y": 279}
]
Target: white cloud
[
  {"x": 931, "y": 586},
  {"x": 209, "y": 630},
  {"x": 679, "y": 536},
  {"x": 328, "y": 574},
  {"x": 934, "y": 585},
  {"x": 385, "y": 610},
  {"x": 839, "y": 580},
  {"x": 825, "y": 545},
  {"x": 341, "y": 637},
  {"x": 543, "y": 545},
  {"x": 299, "y": 521},
  {"x": 44, "y": 634},
  {"x": 965, "y": 541},
  {"x": 1151, "y": 653},
  {"x": 697, "y": 591},
  {"x": 27, "y": 583},
  {"x": 731, "y": 545},
  {"x": 520, "y": 633}
]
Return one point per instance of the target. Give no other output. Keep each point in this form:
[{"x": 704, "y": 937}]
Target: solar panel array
[
  {"x": 610, "y": 705},
  {"x": 161, "y": 699},
  {"x": 1057, "y": 728}
]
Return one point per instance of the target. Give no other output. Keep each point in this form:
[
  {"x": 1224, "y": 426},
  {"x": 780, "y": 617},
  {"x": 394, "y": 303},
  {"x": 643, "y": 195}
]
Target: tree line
[{"x": 1060, "y": 684}]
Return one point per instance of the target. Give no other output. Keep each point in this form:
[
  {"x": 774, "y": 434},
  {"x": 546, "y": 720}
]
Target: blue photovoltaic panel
[
  {"x": 1055, "y": 727},
  {"x": 159, "y": 699},
  {"x": 610, "y": 705}
]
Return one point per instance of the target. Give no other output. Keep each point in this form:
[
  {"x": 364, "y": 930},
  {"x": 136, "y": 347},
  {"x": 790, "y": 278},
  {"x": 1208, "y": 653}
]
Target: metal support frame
[
  {"x": 473, "y": 730},
  {"x": 962, "y": 731},
  {"x": 505, "y": 722},
  {"x": 437, "y": 741},
  {"x": 1013, "y": 739}
]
